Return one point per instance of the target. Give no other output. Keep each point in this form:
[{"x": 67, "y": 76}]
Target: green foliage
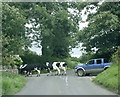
[
  {"x": 71, "y": 63},
  {"x": 52, "y": 26},
  {"x": 108, "y": 78},
  {"x": 116, "y": 56},
  {"x": 113, "y": 7},
  {"x": 116, "y": 60},
  {"x": 103, "y": 30},
  {"x": 99, "y": 33},
  {"x": 5, "y": 41},
  {"x": 55, "y": 33},
  {"x": 13, "y": 33},
  {"x": 15, "y": 60},
  {"x": 75, "y": 59},
  {"x": 12, "y": 83},
  {"x": 30, "y": 57},
  {"x": 12, "y": 60},
  {"x": 87, "y": 56}
]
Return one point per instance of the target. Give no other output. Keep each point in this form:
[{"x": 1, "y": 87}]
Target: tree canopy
[
  {"x": 13, "y": 31},
  {"x": 54, "y": 27},
  {"x": 103, "y": 30}
]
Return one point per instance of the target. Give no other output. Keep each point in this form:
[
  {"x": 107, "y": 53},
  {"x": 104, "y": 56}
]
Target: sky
[{"x": 75, "y": 52}]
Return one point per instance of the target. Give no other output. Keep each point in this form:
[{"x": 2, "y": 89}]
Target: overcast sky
[{"x": 76, "y": 52}]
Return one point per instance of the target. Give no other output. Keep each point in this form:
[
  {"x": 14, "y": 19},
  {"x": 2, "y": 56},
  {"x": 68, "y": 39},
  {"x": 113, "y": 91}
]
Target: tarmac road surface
[{"x": 62, "y": 85}]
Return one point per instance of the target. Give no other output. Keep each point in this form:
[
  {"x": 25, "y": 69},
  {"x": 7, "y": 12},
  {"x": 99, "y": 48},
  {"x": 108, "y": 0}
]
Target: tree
[
  {"x": 103, "y": 31},
  {"x": 55, "y": 28},
  {"x": 51, "y": 28},
  {"x": 30, "y": 57},
  {"x": 13, "y": 32},
  {"x": 52, "y": 22}
]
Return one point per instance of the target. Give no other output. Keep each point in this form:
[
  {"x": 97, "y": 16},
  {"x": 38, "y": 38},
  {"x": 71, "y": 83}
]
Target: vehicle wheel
[{"x": 80, "y": 72}]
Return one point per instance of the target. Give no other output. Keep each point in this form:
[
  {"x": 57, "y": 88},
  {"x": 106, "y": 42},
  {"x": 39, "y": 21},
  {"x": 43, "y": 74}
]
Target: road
[{"x": 62, "y": 85}]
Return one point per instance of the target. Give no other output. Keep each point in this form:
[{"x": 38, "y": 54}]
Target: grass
[
  {"x": 108, "y": 78},
  {"x": 12, "y": 83}
]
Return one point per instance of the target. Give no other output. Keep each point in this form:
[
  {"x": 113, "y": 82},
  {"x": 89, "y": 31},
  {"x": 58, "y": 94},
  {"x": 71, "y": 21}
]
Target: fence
[{"x": 9, "y": 69}]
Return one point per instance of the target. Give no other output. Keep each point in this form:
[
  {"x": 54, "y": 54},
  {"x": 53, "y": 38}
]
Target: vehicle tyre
[{"x": 80, "y": 72}]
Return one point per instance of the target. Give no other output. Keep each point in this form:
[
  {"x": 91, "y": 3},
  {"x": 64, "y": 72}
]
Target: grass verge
[
  {"x": 12, "y": 83},
  {"x": 108, "y": 78}
]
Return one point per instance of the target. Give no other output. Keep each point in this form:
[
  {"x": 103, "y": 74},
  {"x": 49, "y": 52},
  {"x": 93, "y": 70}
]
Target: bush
[
  {"x": 75, "y": 59},
  {"x": 12, "y": 60},
  {"x": 71, "y": 64}
]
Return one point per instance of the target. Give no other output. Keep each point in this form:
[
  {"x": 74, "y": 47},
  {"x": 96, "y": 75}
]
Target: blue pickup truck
[{"x": 92, "y": 66}]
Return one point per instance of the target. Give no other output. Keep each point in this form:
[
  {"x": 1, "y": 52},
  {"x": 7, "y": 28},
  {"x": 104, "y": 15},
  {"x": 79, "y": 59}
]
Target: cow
[
  {"x": 28, "y": 69},
  {"x": 63, "y": 66},
  {"x": 38, "y": 71},
  {"x": 58, "y": 66}
]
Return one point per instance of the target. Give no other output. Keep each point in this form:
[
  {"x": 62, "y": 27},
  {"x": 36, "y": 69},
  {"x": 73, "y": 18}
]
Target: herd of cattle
[{"x": 59, "y": 67}]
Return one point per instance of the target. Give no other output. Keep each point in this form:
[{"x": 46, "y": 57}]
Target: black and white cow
[
  {"x": 27, "y": 69},
  {"x": 58, "y": 66},
  {"x": 38, "y": 71},
  {"x": 63, "y": 66}
]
